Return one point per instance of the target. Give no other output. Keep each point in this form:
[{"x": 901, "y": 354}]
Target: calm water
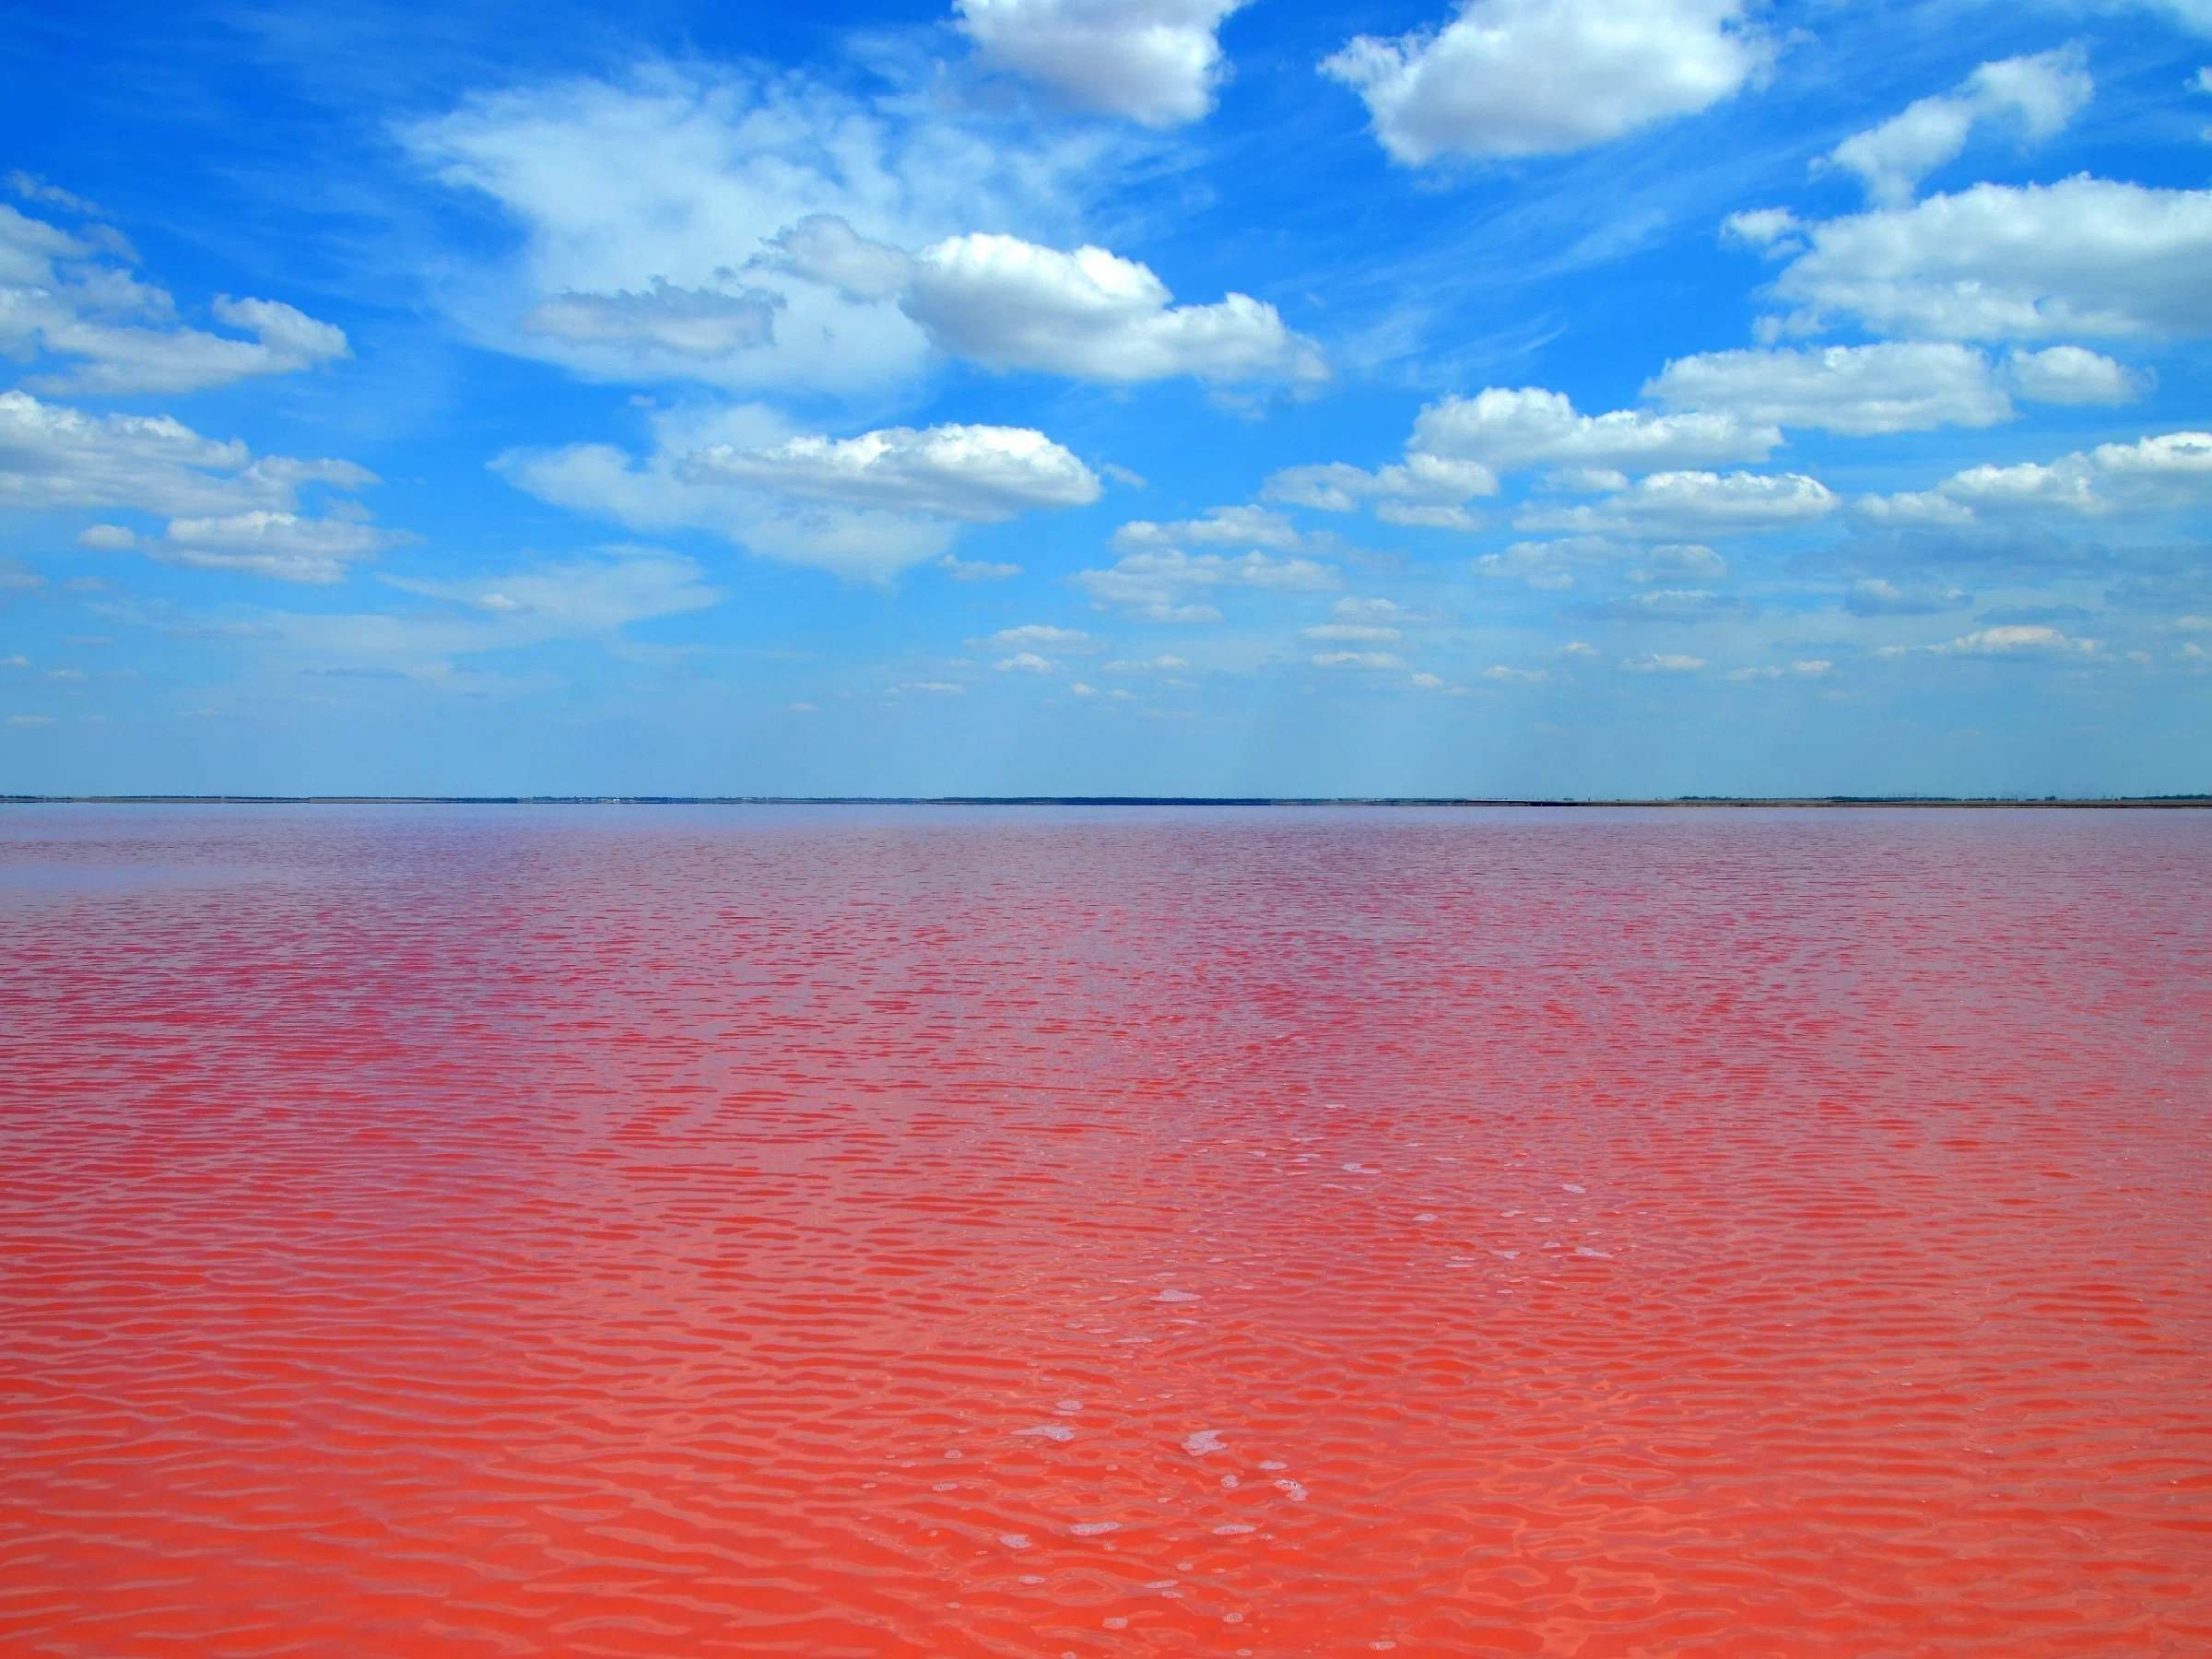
[{"x": 854, "y": 1232}]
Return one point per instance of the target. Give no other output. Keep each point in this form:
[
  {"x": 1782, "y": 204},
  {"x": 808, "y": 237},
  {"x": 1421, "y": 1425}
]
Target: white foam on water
[
  {"x": 1291, "y": 1489},
  {"x": 1275, "y": 1463},
  {"x": 1569, "y": 1186},
  {"x": 1202, "y": 1442},
  {"x": 1015, "y": 1541},
  {"x": 1091, "y": 1529},
  {"x": 1052, "y": 1432},
  {"x": 1231, "y": 1528},
  {"x": 1067, "y": 1405},
  {"x": 1178, "y": 1296},
  {"x": 1426, "y": 1216},
  {"x": 1584, "y": 1250}
]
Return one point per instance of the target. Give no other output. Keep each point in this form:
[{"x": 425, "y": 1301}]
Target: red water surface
[{"x": 660, "y": 1232}]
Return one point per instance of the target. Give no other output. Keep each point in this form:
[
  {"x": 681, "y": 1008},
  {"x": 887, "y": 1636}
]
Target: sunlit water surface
[{"x": 649, "y": 1232}]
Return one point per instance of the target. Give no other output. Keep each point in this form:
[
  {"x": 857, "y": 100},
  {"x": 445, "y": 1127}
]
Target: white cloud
[
  {"x": 106, "y": 538},
  {"x": 976, "y": 570},
  {"x": 575, "y": 599},
  {"x": 1219, "y": 526},
  {"x": 698, "y": 323},
  {"x": 977, "y": 474},
  {"x": 1914, "y": 507},
  {"x": 1509, "y": 430},
  {"x": 1358, "y": 659},
  {"x": 1526, "y": 677},
  {"x": 1154, "y": 62},
  {"x": 1419, "y": 480},
  {"x": 1158, "y": 664},
  {"x": 1038, "y": 634},
  {"x": 1022, "y": 662},
  {"x": 1523, "y": 77},
  {"x": 1431, "y": 517},
  {"x": 1162, "y": 586},
  {"x": 1904, "y": 387},
  {"x": 823, "y": 248},
  {"x": 1367, "y": 633},
  {"x": 54, "y": 456},
  {"x": 2039, "y": 95},
  {"x": 104, "y": 333},
  {"x": 2017, "y": 639},
  {"x": 716, "y": 185},
  {"x": 2071, "y": 374},
  {"x": 2152, "y": 475},
  {"x": 281, "y": 544},
  {"x": 1553, "y": 564},
  {"x": 1385, "y": 611},
  {"x": 2084, "y": 256},
  {"x": 1664, "y": 662},
  {"x": 1879, "y": 596},
  {"x": 1773, "y": 230},
  {"x": 865, "y": 507},
  {"x": 1093, "y": 315},
  {"x": 1693, "y": 503}
]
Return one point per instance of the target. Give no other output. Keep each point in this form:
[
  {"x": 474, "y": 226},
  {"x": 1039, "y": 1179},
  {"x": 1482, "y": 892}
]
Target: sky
[{"x": 1526, "y": 397}]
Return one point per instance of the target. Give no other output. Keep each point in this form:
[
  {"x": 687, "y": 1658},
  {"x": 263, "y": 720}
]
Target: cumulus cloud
[
  {"x": 977, "y": 474},
  {"x": 69, "y": 302},
  {"x": 1093, "y": 315},
  {"x": 1030, "y": 634},
  {"x": 976, "y": 570},
  {"x": 1354, "y": 632},
  {"x": 700, "y": 322},
  {"x": 106, "y": 538},
  {"x": 1153, "y": 61},
  {"x": 1669, "y": 504},
  {"x": 714, "y": 189},
  {"x": 1903, "y": 387},
  {"x": 2037, "y": 95},
  {"x": 825, "y": 249},
  {"x": 1527, "y": 77},
  {"x": 1877, "y": 597},
  {"x": 2071, "y": 374},
  {"x": 1358, "y": 659},
  {"x": 1809, "y": 668},
  {"x": 1166, "y": 586},
  {"x": 865, "y": 507},
  {"x": 1664, "y": 661},
  {"x": 1219, "y": 526},
  {"x": 55, "y": 456},
  {"x": 2084, "y": 256},
  {"x": 1388, "y": 612},
  {"x": 1419, "y": 480},
  {"x": 2018, "y": 639},
  {"x": 1555, "y": 564},
  {"x": 2151, "y": 475},
  {"x": 1507, "y": 431},
  {"x": 285, "y": 546}
]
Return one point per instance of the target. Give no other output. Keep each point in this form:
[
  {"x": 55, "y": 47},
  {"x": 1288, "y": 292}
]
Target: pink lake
[{"x": 659, "y": 1232}]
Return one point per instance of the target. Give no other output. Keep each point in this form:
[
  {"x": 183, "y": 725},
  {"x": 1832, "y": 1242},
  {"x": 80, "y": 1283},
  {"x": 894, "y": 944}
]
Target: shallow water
[{"x": 656, "y": 1232}]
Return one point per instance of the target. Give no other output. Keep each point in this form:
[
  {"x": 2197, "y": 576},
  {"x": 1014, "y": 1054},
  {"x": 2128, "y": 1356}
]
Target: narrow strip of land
[{"x": 2005, "y": 802}]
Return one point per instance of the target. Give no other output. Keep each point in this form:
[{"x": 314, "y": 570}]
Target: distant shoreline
[{"x": 2151, "y": 802}]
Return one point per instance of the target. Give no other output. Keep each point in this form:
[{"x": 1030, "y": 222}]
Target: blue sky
[{"x": 1152, "y": 397}]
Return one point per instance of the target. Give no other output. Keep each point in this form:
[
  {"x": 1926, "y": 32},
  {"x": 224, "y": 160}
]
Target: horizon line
[{"x": 2169, "y": 802}]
